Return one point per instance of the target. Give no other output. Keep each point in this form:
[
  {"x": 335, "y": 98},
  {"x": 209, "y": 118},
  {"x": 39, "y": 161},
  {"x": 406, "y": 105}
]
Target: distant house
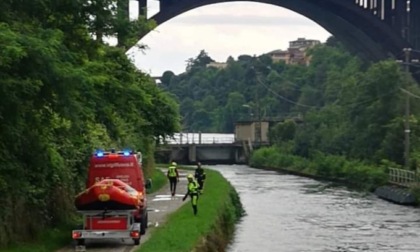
[
  {"x": 296, "y": 53},
  {"x": 303, "y": 43},
  {"x": 280, "y": 55},
  {"x": 298, "y": 56},
  {"x": 218, "y": 65}
]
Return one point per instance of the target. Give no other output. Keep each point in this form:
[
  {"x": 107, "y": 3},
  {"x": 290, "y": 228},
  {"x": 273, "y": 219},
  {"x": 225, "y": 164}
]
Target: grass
[
  {"x": 158, "y": 181},
  {"x": 49, "y": 240},
  {"x": 183, "y": 231}
]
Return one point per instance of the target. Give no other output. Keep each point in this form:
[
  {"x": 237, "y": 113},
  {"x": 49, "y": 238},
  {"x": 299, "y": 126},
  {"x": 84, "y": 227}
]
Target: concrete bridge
[
  {"x": 377, "y": 29},
  {"x": 209, "y": 148}
]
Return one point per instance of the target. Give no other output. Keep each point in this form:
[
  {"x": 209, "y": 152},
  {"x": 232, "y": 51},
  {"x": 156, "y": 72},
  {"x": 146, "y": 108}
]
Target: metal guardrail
[{"x": 404, "y": 178}]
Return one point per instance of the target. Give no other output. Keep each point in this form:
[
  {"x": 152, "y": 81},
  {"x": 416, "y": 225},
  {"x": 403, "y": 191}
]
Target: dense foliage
[
  {"x": 320, "y": 165},
  {"x": 336, "y": 105},
  {"x": 63, "y": 94}
]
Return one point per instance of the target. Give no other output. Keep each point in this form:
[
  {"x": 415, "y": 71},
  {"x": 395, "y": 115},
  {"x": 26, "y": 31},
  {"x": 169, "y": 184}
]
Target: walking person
[
  {"x": 192, "y": 191},
  {"x": 200, "y": 176},
  {"x": 173, "y": 177}
]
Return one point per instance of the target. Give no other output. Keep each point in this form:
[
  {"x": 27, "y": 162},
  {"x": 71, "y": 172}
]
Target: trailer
[{"x": 106, "y": 224}]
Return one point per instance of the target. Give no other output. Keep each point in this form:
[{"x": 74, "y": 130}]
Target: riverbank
[
  {"x": 401, "y": 196},
  {"x": 211, "y": 230},
  {"x": 354, "y": 173},
  {"x": 338, "y": 169}
]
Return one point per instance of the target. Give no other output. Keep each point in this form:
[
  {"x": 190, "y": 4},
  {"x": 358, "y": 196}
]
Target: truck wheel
[
  {"x": 80, "y": 242},
  {"x": 138, "y": 220},
  {"x": 137, "y": 241},
  {"x": 143, "y": 224}
]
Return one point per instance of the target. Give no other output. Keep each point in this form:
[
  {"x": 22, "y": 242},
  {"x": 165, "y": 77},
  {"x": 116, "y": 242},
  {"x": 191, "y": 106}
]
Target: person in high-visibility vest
[
  {"x": 193, "y": 192},
  {"x": 173, "y": 177}
]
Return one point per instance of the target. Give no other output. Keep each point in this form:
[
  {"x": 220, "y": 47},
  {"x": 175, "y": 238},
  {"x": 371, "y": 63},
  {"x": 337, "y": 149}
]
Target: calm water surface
[{"x": 288, "y": 213}]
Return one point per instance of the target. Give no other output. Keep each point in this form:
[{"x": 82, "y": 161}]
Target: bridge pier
[
  {"x": 192, "y": 153},
  {"x": 240, "y": 157},
  {"x": 387, "y": 12},
  {"x": 400, "y": 18},
  {"x": 123, "y": 14},
  {"x": 415, "y": 24},
  {"x": 142, "y": 7},
  {"x": 165, "y": 4}
]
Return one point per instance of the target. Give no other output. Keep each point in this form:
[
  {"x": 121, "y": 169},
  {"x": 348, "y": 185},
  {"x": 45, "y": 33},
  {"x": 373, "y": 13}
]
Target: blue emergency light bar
[{"x": 101, "y": 153}]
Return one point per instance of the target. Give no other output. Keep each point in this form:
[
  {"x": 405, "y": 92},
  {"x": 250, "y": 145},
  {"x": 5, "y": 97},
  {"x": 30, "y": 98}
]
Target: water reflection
[{"x": 288, "y": 213}]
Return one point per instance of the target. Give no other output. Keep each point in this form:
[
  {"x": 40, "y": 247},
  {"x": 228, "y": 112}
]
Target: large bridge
[{"x": 377, "y": 29}]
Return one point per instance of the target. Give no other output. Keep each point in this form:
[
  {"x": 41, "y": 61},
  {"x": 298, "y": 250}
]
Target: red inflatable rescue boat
[{"x": 109, "y": 194}]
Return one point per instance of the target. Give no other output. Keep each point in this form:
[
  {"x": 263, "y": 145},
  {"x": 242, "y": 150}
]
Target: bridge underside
[{"x": 374, "y": 31}]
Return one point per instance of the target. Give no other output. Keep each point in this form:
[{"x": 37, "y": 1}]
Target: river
[{"x": 287, "y": 213}]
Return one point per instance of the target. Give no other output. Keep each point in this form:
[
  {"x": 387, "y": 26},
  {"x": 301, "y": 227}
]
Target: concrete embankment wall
[{"x": 396, "y": 195}]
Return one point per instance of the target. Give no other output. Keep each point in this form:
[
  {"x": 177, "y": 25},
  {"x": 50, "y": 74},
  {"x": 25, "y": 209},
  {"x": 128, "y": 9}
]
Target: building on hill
[
  {"x": 296, "y": 53},
  {"x": 303, "y": 43},
  {"x": 280, "y": 55}
]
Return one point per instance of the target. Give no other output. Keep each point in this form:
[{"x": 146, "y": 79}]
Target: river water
[{"x": 287, "y": 213}]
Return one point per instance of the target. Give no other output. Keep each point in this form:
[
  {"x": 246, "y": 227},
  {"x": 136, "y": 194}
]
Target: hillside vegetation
[{"x": 338, "y": 105}]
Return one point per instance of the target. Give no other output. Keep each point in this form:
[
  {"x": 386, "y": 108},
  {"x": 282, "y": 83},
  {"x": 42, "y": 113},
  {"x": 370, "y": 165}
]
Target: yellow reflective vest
[
  {"x": 193, "y": 187},
  {"x": 172, "y": 171}
]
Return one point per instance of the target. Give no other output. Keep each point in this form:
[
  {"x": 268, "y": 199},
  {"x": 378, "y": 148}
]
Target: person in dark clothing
[
  {"x": 192, "y": 191},
  {"x": 200, "y": 176},
  {"x": 173, "y": 177}
]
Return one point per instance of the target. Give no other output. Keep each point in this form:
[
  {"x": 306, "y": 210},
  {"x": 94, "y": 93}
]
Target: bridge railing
[
  {"x": 404, "y": 178},
  {"x": 201, "y": 138}
]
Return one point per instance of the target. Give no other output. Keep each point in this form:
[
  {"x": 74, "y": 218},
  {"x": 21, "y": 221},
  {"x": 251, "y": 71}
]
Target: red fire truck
[{"x": 114, "y": 204}]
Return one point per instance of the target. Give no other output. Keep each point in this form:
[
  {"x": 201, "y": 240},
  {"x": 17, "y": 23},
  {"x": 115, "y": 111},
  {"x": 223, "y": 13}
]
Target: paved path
[{"x": 160, "y": 205}]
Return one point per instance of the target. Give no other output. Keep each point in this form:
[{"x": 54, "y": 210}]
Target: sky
[{"x": 222, "y": 30}]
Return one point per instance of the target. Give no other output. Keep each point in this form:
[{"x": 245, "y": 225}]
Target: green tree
[{"x": 63, "y": 94}]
